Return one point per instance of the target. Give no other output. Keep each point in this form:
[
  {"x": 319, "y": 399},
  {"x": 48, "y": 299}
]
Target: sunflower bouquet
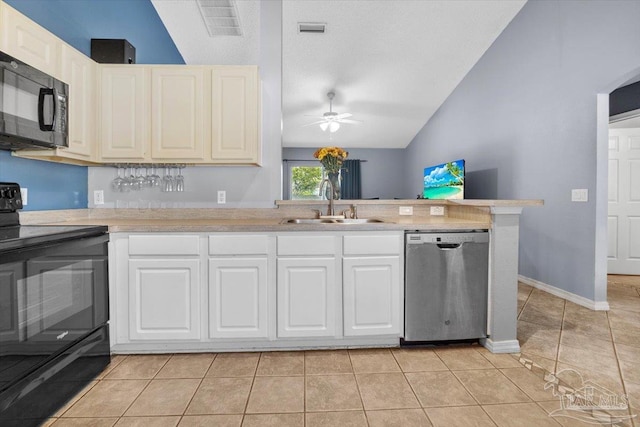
[{"x": 331, "y": 158}]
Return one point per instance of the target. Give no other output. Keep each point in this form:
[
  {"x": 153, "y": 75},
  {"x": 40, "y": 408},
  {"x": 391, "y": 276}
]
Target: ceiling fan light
[
  {"x": 324, "y": 126},
  {"x": 334, "y": 126}
]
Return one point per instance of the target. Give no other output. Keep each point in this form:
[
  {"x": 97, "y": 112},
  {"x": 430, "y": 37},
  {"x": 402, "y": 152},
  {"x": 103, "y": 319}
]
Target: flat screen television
[{"x": 444, "y": 181}]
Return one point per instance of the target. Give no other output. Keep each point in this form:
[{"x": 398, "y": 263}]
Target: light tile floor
[{"x": 459, "y": 386}]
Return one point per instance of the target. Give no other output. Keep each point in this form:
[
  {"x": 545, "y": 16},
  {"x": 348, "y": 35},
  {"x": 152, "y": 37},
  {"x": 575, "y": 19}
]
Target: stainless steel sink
[{"x": 331, "y": 221}]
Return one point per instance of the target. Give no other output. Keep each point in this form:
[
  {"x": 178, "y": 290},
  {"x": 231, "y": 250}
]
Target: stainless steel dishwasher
[{"x": 446, "y": 281}]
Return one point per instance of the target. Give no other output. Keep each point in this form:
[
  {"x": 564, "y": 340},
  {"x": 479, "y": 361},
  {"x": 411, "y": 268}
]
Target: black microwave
[{"x": 33, "y": 107}]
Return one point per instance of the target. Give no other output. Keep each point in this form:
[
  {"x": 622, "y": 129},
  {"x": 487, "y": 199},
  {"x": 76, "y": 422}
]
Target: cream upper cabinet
[
  {"x": 79, "y": 72},
  {"x": 177, "y": 113},
  {"x": 235, "y": 136},
  {"x": 124, "y": 113},
  {"x": 178, "y": 109},
  {"x": 28, "y": 41}
]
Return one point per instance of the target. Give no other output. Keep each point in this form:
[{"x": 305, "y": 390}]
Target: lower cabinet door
[
  {"x": 306, "y": 297},
  {"x": 164, "y": 299},
  {"x": 238, "y": 298},
  {"x": 371, "y": 296}
]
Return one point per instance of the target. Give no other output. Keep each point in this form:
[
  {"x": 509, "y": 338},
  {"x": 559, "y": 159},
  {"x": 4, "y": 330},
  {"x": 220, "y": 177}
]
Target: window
[{"x": 303, "y": 179}]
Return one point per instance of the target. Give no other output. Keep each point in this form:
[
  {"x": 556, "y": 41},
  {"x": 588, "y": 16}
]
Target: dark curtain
[{"x": 351, "y": 186}]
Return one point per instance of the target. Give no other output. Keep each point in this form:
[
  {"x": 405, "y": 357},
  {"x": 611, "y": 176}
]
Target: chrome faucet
[{"x": 330, "y": 209}]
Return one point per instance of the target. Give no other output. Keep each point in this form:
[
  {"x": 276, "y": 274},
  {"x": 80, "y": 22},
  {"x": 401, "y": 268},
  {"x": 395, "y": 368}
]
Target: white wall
[
  {"x": 528, "y": 110},
  {"x": 245, "y": 186}
]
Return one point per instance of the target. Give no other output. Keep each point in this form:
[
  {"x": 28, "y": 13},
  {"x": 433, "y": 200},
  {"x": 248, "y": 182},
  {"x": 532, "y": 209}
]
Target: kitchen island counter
[{"x": 204, "y": 247}]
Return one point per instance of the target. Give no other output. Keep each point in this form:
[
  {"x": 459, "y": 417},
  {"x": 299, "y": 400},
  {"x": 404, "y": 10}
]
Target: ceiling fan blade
[
  {"x": 342, "y": 116},
  {"x": 315, "y": 123},
  {"x": 350, "y": 121},
  {"x": 314, "y": 116}
]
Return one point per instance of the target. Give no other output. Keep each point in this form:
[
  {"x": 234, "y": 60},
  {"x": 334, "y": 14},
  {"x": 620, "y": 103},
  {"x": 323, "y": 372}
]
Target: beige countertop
[
  {"x": 458, "y": 215},
  {"x": 128, "y": 225}
]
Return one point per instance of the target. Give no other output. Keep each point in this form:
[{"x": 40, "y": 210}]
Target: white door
[
  {"x": 371, "y": 295},
  {"x": 306, "y": 297},
  {"x": 238, "y": 298},
  {"x": 624, "y": 201},
  {"x": 164, "y": 299}
]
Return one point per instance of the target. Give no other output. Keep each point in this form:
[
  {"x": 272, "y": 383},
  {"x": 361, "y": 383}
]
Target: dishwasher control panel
[{"x": 475, "y": 236}]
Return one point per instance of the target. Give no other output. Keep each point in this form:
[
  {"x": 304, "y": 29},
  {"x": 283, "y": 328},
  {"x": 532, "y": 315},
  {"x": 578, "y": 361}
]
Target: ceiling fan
[{"x": 332, "y": 120}]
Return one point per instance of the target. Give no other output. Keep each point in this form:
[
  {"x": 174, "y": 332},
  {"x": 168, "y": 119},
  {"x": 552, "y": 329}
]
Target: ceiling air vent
[
  {"x": 220, "y": 17},
  {"x": 312, "y": 27}
]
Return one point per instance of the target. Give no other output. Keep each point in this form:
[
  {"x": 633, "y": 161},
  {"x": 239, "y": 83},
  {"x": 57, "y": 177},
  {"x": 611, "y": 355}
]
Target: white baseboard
[
  {"x": 577, "y": 299},
  {"x": 508, "y": 346}
]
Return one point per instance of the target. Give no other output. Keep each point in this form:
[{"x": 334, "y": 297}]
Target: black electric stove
[
  {"x": 16, "y": 236},
  {"x": 54, "y": 312}
]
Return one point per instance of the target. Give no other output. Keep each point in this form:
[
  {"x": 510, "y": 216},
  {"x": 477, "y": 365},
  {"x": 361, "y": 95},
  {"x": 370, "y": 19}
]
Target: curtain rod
[{"x": 310, "y": 160}]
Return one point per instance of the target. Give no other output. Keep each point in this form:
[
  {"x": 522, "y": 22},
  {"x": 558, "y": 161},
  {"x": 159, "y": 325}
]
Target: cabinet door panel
[
  {"x": 177, "y": 108},
  {"x": 28, "y": 41},
  {"x": 79, "y": 72},
  {"x": 123, "y": 113},
  {"x": 306, "y": 297},
  {"x": 371, "y": 296},
  {"x": 234, "y": 116},
  {"x": 164, "y": 297},
  {"x": 238, "y": 298}
]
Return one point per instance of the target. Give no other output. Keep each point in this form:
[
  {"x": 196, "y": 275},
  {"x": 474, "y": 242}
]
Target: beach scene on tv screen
[{"x": 445, "y": 181}]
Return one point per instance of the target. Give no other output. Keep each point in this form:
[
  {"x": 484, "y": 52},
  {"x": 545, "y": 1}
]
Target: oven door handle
[
  {"x": 45, "y": 92},
  {"x": 52, "y": 248}
]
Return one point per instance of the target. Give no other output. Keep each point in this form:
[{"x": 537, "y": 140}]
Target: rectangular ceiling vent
[
  {"x": 220, "y": 17},
  {"x": 312, "y": 27}
]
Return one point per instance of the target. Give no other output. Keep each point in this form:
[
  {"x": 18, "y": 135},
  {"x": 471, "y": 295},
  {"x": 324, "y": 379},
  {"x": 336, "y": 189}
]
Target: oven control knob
[{"x": 10, "y": 193}]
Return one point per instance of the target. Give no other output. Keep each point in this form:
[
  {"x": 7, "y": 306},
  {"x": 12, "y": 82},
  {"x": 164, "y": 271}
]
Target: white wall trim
[
  {"x": 577, "y": 299},
  {"x": 508, "y": 346}
]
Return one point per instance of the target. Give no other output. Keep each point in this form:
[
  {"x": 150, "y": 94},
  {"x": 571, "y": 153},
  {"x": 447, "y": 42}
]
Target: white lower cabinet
[
  {"x": 239, "y": 291},
  {"x": 238, "y": 298},
  {"x": 372, "y": 284},
  {"x": 306, "y": 297},
  {"x": 371, "y": 289},
  {"x": 164, "y": 299}
]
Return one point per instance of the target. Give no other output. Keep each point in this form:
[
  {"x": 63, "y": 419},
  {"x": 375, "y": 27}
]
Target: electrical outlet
[
  {"x": 405, "y": 210},
  {"x": 436, "y": 210},
  {"x": 222, "y": 197},
  {"x": 580, "y": 195},
  {"x": 24, "y": 194},
  {"x": 98, "y": 197}
]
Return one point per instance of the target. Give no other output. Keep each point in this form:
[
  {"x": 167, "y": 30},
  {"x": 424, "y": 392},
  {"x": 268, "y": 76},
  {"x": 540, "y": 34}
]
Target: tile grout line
[
  {"x": 355, "y": 377},
  {"x": 144, "y": 388},
  {"x": 184, "y": 413},
  {"x": 253, "y": 380}
]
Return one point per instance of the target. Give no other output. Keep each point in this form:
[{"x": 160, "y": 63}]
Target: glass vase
[{"x": 334, "y": 178}]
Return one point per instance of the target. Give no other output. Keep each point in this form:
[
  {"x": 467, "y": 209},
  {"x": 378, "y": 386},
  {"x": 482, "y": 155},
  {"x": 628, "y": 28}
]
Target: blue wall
[
  {"x": 56, "y": 186},
  {"x": 51, "y": 185}
]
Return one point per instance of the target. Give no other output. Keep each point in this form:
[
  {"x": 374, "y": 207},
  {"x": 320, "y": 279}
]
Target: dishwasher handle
[{"x": 448, "y": 246}]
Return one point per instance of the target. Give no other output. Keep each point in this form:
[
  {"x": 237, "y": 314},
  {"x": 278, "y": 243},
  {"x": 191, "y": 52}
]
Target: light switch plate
[
  {"x": 98, "y": 197},
  {"x": 405, "y": 210},
  {"x": 222, "y": 197},
  {"x": 580, "y": 195},
  {"x": 437, "y": 210}
]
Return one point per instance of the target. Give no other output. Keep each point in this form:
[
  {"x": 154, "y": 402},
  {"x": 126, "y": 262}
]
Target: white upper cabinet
[
  {"x": 178, "y": 109},
  {"x": 80, "y": 73},
  {"x": 29, "y": 42},
  {"x": 234, "y": 119},
  {"x": 124, "y": 110}
]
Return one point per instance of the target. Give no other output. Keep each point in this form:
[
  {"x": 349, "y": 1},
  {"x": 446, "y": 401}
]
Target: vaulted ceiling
[{"x": 391, "y": 63}]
